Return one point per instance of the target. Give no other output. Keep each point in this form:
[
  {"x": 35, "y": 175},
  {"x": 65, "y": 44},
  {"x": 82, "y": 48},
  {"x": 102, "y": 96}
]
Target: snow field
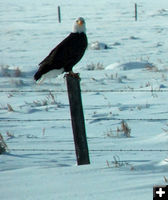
[{"x": 127, "y": 81}]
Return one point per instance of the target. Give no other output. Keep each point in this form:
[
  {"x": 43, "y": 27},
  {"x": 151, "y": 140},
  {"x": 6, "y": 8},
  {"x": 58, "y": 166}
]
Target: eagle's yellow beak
[{"x": 80, "y": 23}]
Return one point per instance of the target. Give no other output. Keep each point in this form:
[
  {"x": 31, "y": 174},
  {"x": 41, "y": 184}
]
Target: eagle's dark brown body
[{"x": 65, "y": 55}]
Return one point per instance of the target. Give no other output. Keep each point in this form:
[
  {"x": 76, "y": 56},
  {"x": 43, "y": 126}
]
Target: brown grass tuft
[
  {"x": 165, "y": 179},
  {"x": 17, "y": 72},
  {"x": 124, "y": 130},
  {"x": 10, "y": 109},
  {"x": 3, "y": 145}
]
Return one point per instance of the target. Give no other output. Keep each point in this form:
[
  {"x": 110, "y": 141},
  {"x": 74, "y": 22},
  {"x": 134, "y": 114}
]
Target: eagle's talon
[{"x": 74, "y": 75}]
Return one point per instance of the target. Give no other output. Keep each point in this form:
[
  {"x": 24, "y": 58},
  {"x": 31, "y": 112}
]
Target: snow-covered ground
[{"x": 125, "y": 81}]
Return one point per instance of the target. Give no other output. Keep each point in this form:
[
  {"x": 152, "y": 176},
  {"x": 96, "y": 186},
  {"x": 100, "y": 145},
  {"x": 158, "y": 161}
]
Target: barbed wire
[
  {"x": 86, "y": 91},
  {"x": 87, "y": 119},
  {"x": 94, "y": 150}
]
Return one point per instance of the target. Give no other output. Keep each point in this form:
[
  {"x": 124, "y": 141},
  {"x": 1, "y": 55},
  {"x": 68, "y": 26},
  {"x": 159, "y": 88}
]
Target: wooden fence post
[
  {"x": 136, "y": 12},
  {"x": 59, "y": 14},
  {"x": 77, "y": 118}
]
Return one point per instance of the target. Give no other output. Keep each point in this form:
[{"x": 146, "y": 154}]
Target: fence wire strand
[
  {"x": 94, "y": 150},
  {"x": 87, "y": 119},
  {"x": 86, "y": 91}
]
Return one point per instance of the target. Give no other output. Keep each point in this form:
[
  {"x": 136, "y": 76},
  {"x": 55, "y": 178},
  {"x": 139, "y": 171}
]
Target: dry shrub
[
  {"x": 116, "y": 163},
  {"x": 10, "y": 135},
  {"x": 17, "y": 72},
  {"x": 48, "y": 100},
  {"x": 165, "y": 179},
  {"x": 97, "y": 66},
  {"x": 43, "y": 131},
  {"x": 151, "y": 68},
  {"x": 124, "y": 130},
  {"x": 7, "y": 72},
  {"x": 3, "y": 145},
  {"x": 10, "y": 109}
]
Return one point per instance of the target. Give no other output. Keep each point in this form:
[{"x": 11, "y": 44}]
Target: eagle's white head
[{"x": 79, "y": 26}]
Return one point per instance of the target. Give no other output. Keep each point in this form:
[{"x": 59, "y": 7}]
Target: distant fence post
[
  {"x": 77, "y": 118},
  {"x": 136, "y": 12},
  {"x": 59, "y": 14}
]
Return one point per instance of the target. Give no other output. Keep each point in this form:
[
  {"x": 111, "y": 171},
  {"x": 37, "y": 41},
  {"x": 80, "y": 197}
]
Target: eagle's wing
[
  {"x": 66, "y": 52},
  {"x": 64, "y": 55}
]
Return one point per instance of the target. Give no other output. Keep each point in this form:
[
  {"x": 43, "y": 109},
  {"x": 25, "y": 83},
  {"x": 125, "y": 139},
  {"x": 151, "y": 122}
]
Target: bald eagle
[{"x": 66, "y": 54}]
